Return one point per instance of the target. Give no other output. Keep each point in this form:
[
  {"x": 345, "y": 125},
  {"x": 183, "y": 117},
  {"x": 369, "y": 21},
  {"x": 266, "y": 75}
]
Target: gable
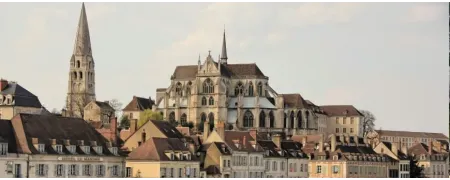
[
  {"x": 150, "y": 131},
  {"x": 213, "y": 137}
]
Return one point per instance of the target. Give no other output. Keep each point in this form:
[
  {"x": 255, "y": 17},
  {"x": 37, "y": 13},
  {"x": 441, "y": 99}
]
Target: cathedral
[
  {"x": 239, "y": 95},
  {"x": 81, "y": 87}
]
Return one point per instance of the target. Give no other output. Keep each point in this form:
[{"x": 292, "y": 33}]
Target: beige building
[
  {"x": 433, "y": 160},
  {"x": 346, "y": 157},
  {"x": 216, "y": 158},
  {"x": 15, "y": 99},
  {"x": 344, "y": 119},
  {"x": 408, "y": 138},
  {"x": 238, "y": 94},
  {"x": 163, "y": 158},
  {"x": 99, "y": 112},
  {"x": 137, "y": 105},
  {"x": 47, "y": 146},
  {"x": 400, "y": 167},
  {"x": 81, "y": 83}
]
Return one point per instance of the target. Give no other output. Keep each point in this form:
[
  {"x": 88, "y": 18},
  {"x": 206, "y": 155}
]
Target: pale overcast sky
[{"x": 389, "y": 58}]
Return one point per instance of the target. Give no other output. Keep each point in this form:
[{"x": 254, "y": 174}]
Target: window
[
  {"x": 224, "y": 163},
  {"x": 319, "y": 169},
  {"x": 194, "y": 171},
  {"x": 351, "y": 130},
  {"x": 211, "y": 101},
  {"x": 40, "y": 170},
  {"x": 180, "y": 172},
  {"x": 344, "y": 130},
  {"x": 18, "y": 171},
  {"x": 171, "y": 172},
  {"x": 274, "y": 166},
  {"x": 87, "y": 170},
  {"x": 282, "y": 166},
  {"x": 163, "y": 172},
  {"x": 183, "y": 119},
  {"x": 208, "y": 86},
  {"x": 9, "y": 167},
  {"x": 59, "y": 170},
  {"x": 114, "y": 150},
  {"x": 262, "y": 119},
  {"x": 171, "y": 117},
  {"x": 100, "y": 170},
  {"x": 128, "y": 172},
  {"x": 204, "y": 101},
  {"x": 271, "y": 119},
  {"x": 337, "y": 120},
  {"x": 73, "y": 170},
  {"x": 115, "y": 171},
  {"x": 98, "y": 149},
  {"x": 179, "y": 89},
  {"x": 248, "y": 119},
  {"x": 229, "y": 163},
  {"x": 239, "y": 89},
  {"x": 256, "y": 161},
  {"x": 3, "y": 148},
  {"x": 260, "y": 89},
  {"x": 337, "y": 130},
  {"x": 267, "y": 165},
  {"x": 250, "y": 89},
  {"x": 71, "y": 149},
  {"x": 343, "y": 120},
  {"x": 301, "y": 167},
  {"x": 352, "y": 120},
  {"x": 335, "y": 169},
  {"x": 41, "y": 148}
]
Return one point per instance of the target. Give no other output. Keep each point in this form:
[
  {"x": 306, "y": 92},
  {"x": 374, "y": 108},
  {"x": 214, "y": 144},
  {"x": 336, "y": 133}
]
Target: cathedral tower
[{"x": 81, "y": 89}]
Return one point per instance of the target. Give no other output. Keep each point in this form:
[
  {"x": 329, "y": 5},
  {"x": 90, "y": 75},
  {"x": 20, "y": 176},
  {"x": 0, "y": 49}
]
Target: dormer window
[
  {"x": 41, "y": 148},
  {"x": 86, "y": 149},
  {"x": 71, "y": 149},
  {"x": 188, "y": 157},
  {"x": 172, "y": 156},
  {"x": 3, "y": 149},
  {"x": 113, "y": 150},
  {"x": 98, "y": 149},
  {"x": 335, "y": 157},
  {"x": 58, "y": 148}
]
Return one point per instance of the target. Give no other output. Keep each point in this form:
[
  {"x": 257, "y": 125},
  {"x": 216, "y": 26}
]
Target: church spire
[
  {"x": 82, "y": 40},
  {"x": 224, "y": 57}
]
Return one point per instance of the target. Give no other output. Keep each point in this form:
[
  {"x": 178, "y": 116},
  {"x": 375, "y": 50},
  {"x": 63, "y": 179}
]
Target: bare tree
[
  {"x": 116, "y": 105},
  {"x": 55, "y": 111},
  {"x": 368, "y": 121}
]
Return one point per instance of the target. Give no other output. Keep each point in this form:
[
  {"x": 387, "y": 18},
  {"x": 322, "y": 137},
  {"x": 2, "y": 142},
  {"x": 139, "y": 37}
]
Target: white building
[{"x": 47, "y": 146}]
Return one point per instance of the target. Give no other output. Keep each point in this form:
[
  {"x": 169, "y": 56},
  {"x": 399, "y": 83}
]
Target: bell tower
[{"x": 81, "y": 89}]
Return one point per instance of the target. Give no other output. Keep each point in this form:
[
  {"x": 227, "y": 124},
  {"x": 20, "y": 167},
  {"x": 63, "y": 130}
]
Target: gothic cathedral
[{"x": 81, "y": 87}]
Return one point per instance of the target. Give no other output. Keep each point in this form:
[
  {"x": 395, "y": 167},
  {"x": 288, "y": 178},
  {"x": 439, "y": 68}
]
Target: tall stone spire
[
  {"x": 224, "y": 57},
  {"x": 82, "y": 39}
]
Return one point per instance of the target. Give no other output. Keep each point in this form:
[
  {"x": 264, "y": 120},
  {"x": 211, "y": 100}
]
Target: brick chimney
[
  {"x": 205, "y": 130},
  {"x": 321, "y": 143},
  {"x": 403, "y": 149},
  {"x": 113, "y": 129},
  {"x": 3, "y": 84},
  {"x": 333, "y": 143},
  {"x": 244, "y": 141},
  {"x": 133, "y": 126},
  {"x": 253, "y": 133},
  {"x": 304, "y": 140},
  {"x": 394, "y": 148},
  {"x": 430, "y": 147},
  {"x": 277, "y": 140}
]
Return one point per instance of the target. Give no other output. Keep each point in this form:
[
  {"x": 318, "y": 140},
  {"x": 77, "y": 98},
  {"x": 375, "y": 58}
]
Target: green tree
[
  {"x": 147, "y": 115},
  {"x": 124, "y": 122},
  {"x": 415, "y": 171}
]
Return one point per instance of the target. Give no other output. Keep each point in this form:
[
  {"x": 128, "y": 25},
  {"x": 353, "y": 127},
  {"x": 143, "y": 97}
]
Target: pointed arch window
[
  {"x": 183, "y": 119},
  {"x": 211, "y": 101},
  {"x": 74, "y": 75},
  {"x": 250, "y": 89},
  {"x": 179, "y": 89},
  {"x": 285, "y": 121},
  {"x": 211, "y": 121},
  {"x": 239, "y": 89},
  {"x": 204, "y": 101},
  {"x": 90, "y": 64},
  {"x": 300, "y": 120},
  {"x": 262, "y": 119},
  {"x": 248, "y": 119},
  {"x": 208, "y": 86},
  {"x": 291, "y": 118},
  {"x": 172, "y": 116},
  {"x": 260, "y": 89},
  {"x": 78, "y": 64},
  {"x": 307, "y": 120},
  {"x": 81, "y": 75},
  {"x": 188, "y": 88},
  {"x": 271, "y": 119}
]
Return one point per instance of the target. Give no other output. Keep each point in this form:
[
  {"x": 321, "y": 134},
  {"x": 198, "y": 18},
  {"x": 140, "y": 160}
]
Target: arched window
[
  {"x": 260, "y": 89},
  {"x": 90, "y": 65},
  {"x": 211, "y": 101},
  {"x": 203, "y": 118},
  {"x": 211, "y": 121},
  {"x": 307, "y": 123},
  {"x": 291, "y": 118},
  {"x": 74, "y": 75},
  {"x": 179, "y": 89},
  {"x": 250, "y": 89},
  {"x": 262, "y": 119},
  {"x": 271, "y": 119},
  {"x": 81, "y": 75},
  {"x": 299, "y": 119},
  {"x": 208, "y": 86},
  {"x": 204, "y": 101},
  {"x": 239, "y": 89},
  {"x": 285, "y": 121},
  {"x": 248, "y": 119},
  {"x": 78, "y": 64},
  {"x": 172, "y": 116},
  {"x": 183, "y": 119},
  {"x": 188, "y": 88}
]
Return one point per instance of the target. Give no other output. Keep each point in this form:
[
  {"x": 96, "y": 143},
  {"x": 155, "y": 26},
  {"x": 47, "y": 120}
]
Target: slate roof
[
  {"x": 22, "y": 97},
  {"x": 341, "y": 110},
  {"x": 47, "y": 127},
  {"x": 104, "y": 105},
  {"x": 7, "y": 135},
  {"x": 411, "y": 134},
  {"x": 228, "y": 70},
  {"x": 139, "y": 104},
  {"x": 420, "y": 148},
  {"x": 270, "y": 148},
  {"x": 212, "y": 170},
  {"x": 294, "y": 101},
  {"x": 400, "y": 154},
  {"x": 167, "y": 129},
  {"x": 154, "y": 149}
]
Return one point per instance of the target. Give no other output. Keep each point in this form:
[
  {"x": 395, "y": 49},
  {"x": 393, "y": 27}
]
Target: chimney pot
[
  {"x": 67, "y": 142},
  {"x": 3, "y": 84},
  {"x": 93, "y": 143},
  {"x": 81, "y": 142},
  {"x": 53, "y": 141}
]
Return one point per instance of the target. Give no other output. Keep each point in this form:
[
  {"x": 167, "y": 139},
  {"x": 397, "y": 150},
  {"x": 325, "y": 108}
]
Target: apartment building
[
  {"x": 400, "y": 167},
  {"x": 408, "y": 138},
  {"x": 344, "y": 119},
  {"x": 216, "y": 158},
  {"x": 47, "y": 146},
  {"x": 433, "y": 161}
]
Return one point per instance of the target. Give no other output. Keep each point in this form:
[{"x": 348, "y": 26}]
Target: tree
[
  {"x": 415, "y": 171},
  {"x": 368, "y": 121},
  {"x": 147, "y": 115},
  {"x": 116, "y": 105},
  {"x": 124, "y": 122}
]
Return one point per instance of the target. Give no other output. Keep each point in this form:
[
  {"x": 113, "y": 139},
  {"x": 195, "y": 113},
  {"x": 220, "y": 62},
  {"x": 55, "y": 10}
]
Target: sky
[{"x": 388, "y": 58}]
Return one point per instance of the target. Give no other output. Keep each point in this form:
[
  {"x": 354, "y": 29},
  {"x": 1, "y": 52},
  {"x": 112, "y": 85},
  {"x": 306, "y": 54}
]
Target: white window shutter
[
  {"x": 91, "y": 170},
  {"x": 103, "y": 170},
  {"x": 56, "y": 170},
  {"x": 77, "y": 170},
  {"x": 64, "y": 174},
  {"x": 46, "y": 170},
  {"x": 36, "y": 167}
]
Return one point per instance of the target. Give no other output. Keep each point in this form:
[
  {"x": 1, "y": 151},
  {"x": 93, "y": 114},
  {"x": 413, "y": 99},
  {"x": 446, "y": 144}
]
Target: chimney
[
  {"x": 430, "y": 147},
  {"x": 53, "y": 141},
  {"x": 321, "y": 143},
  {"x": 333, "y": 142},
  {"x": 81, "y": 142},
  {"x": 35, "y": 140},
  {"x": 3, "y": 84},
  {"x": 66, "y": 142},
  {"x": 113, "y": 129},
  {"x": 133, "y": 126},
  {"x": 304, "y": 140},
  {"x": 220, "y": 129},
  {"x": 395, "y": 148},
  {"x": 244, "y": 141},
  {"x": 277, "y": 140},
  {"x": 356, "y": 139},
  {"x": 403, "y": 149},
  {"x": 347, "y": 139},
  {"x": 253, "y": 133},
  {"x": 205, "y": 130},
  {"x": 108, "y": 144},
  {"x": 93, "y": 143}
]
